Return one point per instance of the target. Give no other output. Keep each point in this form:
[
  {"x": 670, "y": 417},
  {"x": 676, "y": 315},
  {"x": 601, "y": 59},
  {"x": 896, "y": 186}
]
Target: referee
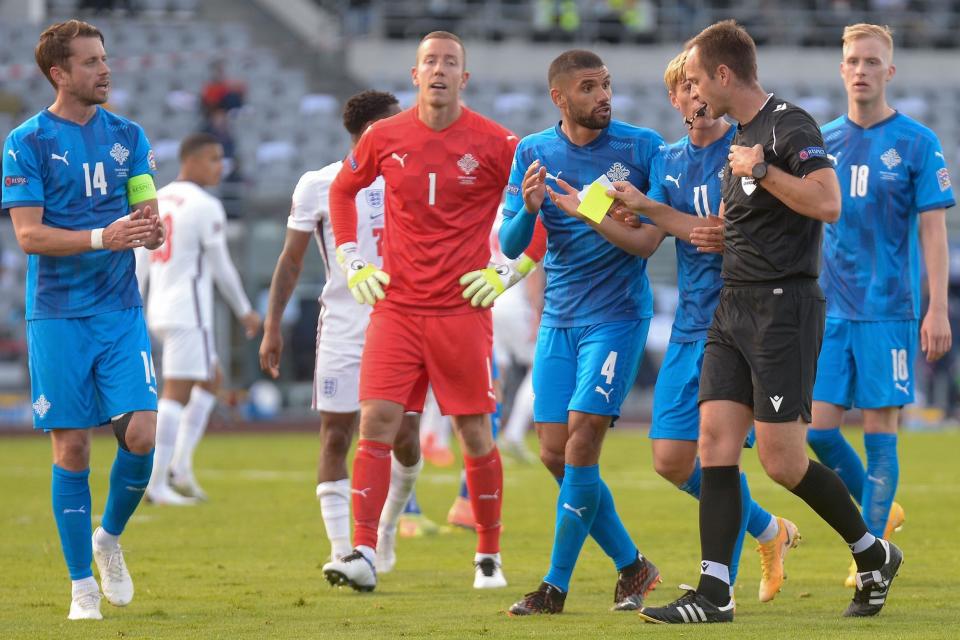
[{"x": 761, "y": 353}]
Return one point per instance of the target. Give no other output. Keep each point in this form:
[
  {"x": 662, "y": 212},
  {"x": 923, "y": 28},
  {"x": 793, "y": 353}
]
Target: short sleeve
[
  {"x": 143, "y": 160},
  {"x": 798, "y": 143},
  {"x": 514, "y": 199},
  {"x": 22, "y": 175},
  {"x": 215, "y": 232},
  {"x": 933, "y": 189},
  {"x": 656, "y": 179},
  {"x": 309, "y": 204}
]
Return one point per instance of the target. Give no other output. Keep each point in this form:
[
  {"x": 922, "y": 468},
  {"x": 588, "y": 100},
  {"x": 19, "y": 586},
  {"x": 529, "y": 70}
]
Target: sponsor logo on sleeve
[
  {"x": 151, "y": 161},
  {"x": 513, "y": 190},
  {"x": 15, "y": 181},
  {"x": 943, "y": 178},
  {"x": 352, "y": 162},
  {"x": 812, "y": 152}
]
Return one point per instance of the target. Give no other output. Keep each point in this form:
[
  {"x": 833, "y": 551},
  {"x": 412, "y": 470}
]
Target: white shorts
[
  {"x": 336, "y": 379},
  {"x": 188, "y": 353}
]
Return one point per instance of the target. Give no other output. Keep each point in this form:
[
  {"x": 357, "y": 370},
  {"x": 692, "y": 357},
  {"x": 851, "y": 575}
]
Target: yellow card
[{"x": 595, "y": 202}]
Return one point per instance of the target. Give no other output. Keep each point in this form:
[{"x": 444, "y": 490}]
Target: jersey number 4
[{"x": 96, "y": 181}]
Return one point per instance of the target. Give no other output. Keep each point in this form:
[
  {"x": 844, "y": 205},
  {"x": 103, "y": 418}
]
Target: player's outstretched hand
[
  {"x": 534, "y": 187},
  {"x": 483, "y": 286},
  {"x": 567, "y": 200},
  {"x": 622, "y": 213},
  {"x": 936, "y": 338},
  {"x": 709, "y": 237},
  {"x": 251, "y": 323},
  {"x": 159, "y": 231},
  {"x": 631, "y": 197},
  {"x": 127, "y": 233},
  {"x": 743, "y": 159},
  {"x": 270, "y": 350},
  {"x": 366, "y": 281}
]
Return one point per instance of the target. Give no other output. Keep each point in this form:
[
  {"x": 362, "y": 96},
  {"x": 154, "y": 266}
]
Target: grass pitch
[{"x": 247, "y": 564}]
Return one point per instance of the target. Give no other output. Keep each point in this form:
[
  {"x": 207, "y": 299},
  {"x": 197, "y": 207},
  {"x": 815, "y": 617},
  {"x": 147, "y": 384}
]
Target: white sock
[
  {"x": 193, "y": 424},
  {"x": 402, "y": 480},
  {"x": 771, "y": 532},
  {"x": 105, "y": 540},
  {"x": 432, "y": 421},
  {"x": 84, "y": 585},
  {"x": 715, "y": 569},
  {"x": 863, "y": 543},
  {"x": 334, "y": 500},
  {"x": 168, "y": 421},
  {"x": 522, "y": 411}
]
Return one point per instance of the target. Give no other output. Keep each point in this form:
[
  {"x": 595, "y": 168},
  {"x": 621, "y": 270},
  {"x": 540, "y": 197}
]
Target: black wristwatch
[{"x": 759, "y": 171}]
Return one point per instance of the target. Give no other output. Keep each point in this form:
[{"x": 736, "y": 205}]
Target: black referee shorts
[{"x": 762, "y": 349}]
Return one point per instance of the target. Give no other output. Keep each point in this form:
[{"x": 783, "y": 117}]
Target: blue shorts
[
  {"x": 676, "y": 410},
  {"x": 588, "y": 369},
  {"x": 867, "y": 364},
  {"x": 84, "y": 371}
]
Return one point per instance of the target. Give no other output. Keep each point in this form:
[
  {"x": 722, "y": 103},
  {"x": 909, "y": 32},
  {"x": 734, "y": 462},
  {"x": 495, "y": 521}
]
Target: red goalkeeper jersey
[{"x": 443, "y": 189}]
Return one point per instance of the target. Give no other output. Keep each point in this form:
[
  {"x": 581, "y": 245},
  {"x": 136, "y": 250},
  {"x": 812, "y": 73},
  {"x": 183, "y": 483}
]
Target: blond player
[
  {"x": 180, "y": 276},
  {"x": 340, "y": 337}
]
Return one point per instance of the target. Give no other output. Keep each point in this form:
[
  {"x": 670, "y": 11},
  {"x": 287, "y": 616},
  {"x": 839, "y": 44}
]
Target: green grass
[{"x": 247, "y": 565}]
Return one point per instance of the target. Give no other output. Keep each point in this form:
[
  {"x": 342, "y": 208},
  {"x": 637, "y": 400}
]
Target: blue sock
[
  {"x": 609, "y": 532},
  {"x": 834, "y": 451},
  {"x": 464, "y": 492},
  {"x": 883, "y": 473},
  {"x": 744, "y": 518},
  {"x": 70, "y": 491},
  {"x": 128, "y": 480},
  {"x": 495, "y": 420},
  {"x": 758, "y": 519},
  {"x": 576, "y": 511},
  {"x": 412, "y": 506},
  {"x": 692, "y": 484}
]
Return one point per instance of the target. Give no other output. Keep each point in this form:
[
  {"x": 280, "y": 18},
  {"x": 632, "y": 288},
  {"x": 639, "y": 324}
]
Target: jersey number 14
[{"x": 96, "y": 181}]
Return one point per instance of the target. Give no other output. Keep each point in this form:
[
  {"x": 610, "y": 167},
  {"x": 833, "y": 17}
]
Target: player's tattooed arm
[
  {"x": 35, "y": 237},
  {"x": 936, "y": 338},
  {"x": 284, "y": 281}
]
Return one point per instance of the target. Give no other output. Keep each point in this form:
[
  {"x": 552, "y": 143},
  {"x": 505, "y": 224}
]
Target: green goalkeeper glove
[
  {"x": 365, "y": 280},
  {"x": 484, "y": 286}
]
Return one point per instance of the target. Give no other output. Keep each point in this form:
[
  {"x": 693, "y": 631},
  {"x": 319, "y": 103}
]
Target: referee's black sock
[
  {"x": 824, "y": 491},
  {"x": 720, "y": 508}
]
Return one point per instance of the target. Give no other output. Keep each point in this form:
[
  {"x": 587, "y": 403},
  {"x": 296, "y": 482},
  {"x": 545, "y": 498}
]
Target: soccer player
[
  {"x": 685, "y": 180},
  {"x": 340, "y": 337},
  {"x": 444, "y": 168},
  {"x": 178, "y": 279},
  {"x": 597, "y": 310},
  {"x": 78, "y": 182},
  {"x": 895, "y": 187},
  {"x": 759, "y": 362}
]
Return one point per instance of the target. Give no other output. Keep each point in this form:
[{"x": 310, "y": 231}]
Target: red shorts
[{"x": 404, "y": 352}]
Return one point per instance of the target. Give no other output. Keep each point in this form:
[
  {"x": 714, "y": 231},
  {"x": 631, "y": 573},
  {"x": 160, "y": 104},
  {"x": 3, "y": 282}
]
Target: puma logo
[
  {"x": 936, "y": 153},
  {"x": 579, "y": 511},
  {"x": 902, "y": 387},
  {"x": 401, "y": 159},
  {"x": 82, "y": 509},
  {"x": 675, "y": 181},
  {"x": 62, "y": 158},
  {"x": 490, "y": 496},
  {"x": 876, "y": 480},
  {"x": 605, "y": 394},
  {"x": 12, "y": 154},
  {"x": 554, "y": 177},
  {"x": 360, "y": 492}
]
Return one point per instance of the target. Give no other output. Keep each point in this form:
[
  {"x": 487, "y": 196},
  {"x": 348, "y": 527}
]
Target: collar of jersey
[
  {"x": 53, "y": 116},
  {"x": 876, "y": 125},
  {"x": 600, "y": 139},
  {"x": 770, "y": 100}
]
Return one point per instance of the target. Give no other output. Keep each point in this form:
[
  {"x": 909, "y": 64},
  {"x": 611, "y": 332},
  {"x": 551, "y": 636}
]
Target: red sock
[
  {"x": 485, "y": 483},
  {"x": 371, "y": 481}
]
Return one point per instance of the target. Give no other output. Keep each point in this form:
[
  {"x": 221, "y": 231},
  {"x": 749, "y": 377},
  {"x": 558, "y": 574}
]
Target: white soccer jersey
[
  {"x": 182, "y": 271},
  {"x": 342, "y": 319}
]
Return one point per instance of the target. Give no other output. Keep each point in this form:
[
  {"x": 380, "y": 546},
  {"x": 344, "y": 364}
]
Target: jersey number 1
[
  {"x": 98, "y": 180},
  {"x": 432, "y": 192}
]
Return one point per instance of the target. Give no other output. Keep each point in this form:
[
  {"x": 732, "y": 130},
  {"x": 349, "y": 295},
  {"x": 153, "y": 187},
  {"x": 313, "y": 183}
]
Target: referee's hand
[{"x": 743, "y": 159}]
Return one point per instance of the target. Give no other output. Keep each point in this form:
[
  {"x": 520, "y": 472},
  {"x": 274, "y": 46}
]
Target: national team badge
[
  {"x": 41, "y": 406},
  {"x": 468, "y": 164},
  {"x": 890, "y": 158},
  {"x": 943, "y": 178},
  {"x": 618, "y": 172},
  {"x": 119, "y": 153},
  {"x": 328, "y": 387},
  {"x": 375, "y": 198}
]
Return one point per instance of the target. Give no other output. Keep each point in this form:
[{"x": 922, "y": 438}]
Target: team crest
[
  {"x": 890, "y": 158},
  {"x": 119, "y": 153},
  {"x": 375, "y": 198},
  {"x": 328, "y": 387},
  {"x": 468, "y": 164},
  {"x": 618, "y": 172},
  {"x": 41, "y": 406}
]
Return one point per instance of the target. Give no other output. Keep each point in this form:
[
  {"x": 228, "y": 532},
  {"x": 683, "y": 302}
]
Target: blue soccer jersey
[
  {"x": 889, "y": 174},
  {"x": 687, "y": 178},
  {"x": 78, "y": 174},
  {"x": 589, "y": 280}
]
